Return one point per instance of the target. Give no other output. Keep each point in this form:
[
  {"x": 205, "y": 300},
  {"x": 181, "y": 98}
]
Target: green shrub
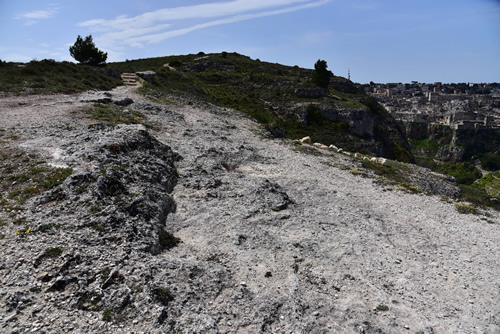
[
  {"x": 47, "y": 227},
  {"x": 175, "y": 63},
  {"x": 491, "y": 161},
  {"x": 106, "y": 315},
  {"x": 382, "y": 308},
  {"x": 464, "y": 173},
  {"x": 431, "y": 147},
  {"x": 490, "y": 183}
]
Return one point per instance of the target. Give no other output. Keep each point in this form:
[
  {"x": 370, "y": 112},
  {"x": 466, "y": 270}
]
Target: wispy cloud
[
  {"x": 156, "y": 26},
  {"x": 33, "y": 17}
]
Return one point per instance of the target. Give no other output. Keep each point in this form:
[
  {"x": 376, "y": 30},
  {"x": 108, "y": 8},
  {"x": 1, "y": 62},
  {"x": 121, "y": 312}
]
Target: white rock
[
  {"x": 319, "y": 145},
  {"x": 382, "y": 161},
  {"x": 306, "y": 140}
]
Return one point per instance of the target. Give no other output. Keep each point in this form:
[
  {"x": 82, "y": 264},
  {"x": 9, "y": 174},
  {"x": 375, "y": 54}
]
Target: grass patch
[
  {"x": 466, "y": 208},
  {"x": 23, "y": 176},
  {"x": 95, "y": 209},
  {"x": 113, "y": 114},
  {"x": 478, "y": 197},
  {"x": 53, "y": 252},
  {"x": 464, "y": 173},
  {"x": 424, "y": 146},
  {"x": 490, "y": 183},
  {"x": 48, "y": 227}
]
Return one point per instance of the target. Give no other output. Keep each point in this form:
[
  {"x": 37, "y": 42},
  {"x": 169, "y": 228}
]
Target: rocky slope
[{"x": 204, "y": 224}]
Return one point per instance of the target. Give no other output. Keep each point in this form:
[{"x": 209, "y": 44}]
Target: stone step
[{"x": 130, "y": 79}]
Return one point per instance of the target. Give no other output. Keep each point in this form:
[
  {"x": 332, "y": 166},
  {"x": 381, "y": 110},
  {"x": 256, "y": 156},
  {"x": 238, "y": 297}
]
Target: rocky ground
[{"x": 201, "y": 223}]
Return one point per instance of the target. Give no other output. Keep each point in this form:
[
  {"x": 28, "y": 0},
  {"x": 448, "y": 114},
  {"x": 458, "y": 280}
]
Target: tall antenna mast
[{"x": 349, "y": 73}]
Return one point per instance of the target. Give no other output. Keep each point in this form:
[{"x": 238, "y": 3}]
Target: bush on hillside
[{"x": 321, "y": 75}]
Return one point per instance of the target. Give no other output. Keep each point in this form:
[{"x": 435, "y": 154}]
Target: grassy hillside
[
  {"x": 48, "y": 76},
  {"x": 266, "y": 91}
]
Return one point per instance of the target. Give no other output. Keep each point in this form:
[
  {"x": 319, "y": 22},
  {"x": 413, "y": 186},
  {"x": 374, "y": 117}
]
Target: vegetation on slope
[
  {"x": 48, "y": 76},
  {"x": 476, "y": 188},
  {"x": 266, "y": 91}
]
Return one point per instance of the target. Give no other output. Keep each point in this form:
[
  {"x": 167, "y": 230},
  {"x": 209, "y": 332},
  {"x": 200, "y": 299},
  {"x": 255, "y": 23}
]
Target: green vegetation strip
[{"x": 48, "y": 76}]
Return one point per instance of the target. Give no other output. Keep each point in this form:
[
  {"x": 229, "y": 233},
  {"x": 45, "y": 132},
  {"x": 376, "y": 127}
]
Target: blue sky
[{"x": 381, "y": 41}]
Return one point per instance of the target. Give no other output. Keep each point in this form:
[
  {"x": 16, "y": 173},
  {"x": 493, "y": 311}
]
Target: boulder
[
  {"x": 322, "y": 146},
  {"x": 149, "y": 76},
  {"x": 306, "y": 140},
  {"x": 124, "y": 102},
  {"x": 382, "y": 161}
]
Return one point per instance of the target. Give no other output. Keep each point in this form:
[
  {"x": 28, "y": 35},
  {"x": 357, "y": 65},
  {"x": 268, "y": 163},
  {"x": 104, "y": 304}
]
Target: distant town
[{"x": 460, "y": 106}]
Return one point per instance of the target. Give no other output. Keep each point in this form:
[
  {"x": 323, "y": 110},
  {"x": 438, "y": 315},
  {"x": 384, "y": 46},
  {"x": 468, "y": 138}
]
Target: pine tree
[
  {"x": 85, "y": 52},
  {"x": 321, "y": 75}
]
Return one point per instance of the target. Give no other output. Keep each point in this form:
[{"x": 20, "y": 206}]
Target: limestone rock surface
[{"x": 202, "y": 223}]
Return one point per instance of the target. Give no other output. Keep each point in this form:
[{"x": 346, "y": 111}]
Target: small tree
[
  {"x": 321, "y": 75},
  {"x": 85, "y": 52}
]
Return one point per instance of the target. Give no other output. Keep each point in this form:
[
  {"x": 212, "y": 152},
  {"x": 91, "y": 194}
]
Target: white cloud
[
  {"x": 34, "y": 16},
  {"x": 156, "y": 26},
  {"x": 204, "y": 11}
]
